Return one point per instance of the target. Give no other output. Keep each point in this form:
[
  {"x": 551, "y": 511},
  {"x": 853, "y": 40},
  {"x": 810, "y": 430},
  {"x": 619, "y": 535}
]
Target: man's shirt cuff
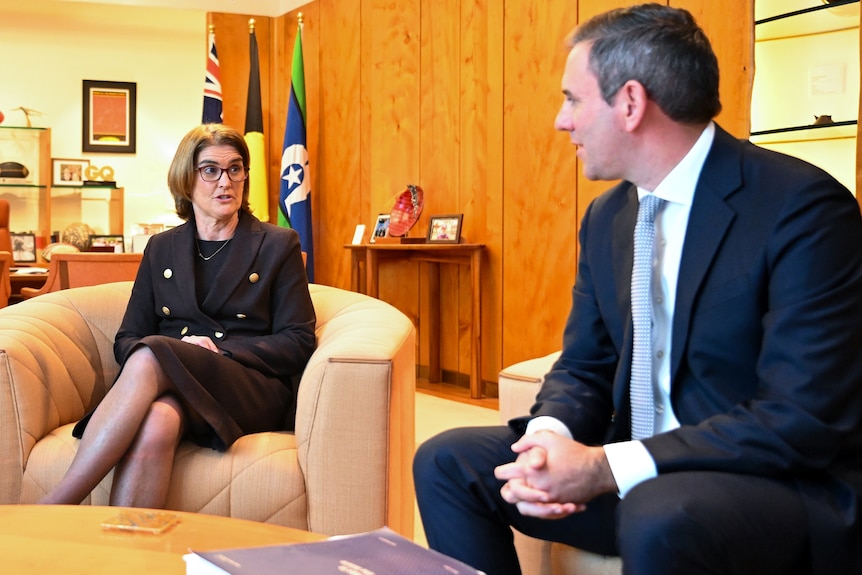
[
  {"x": 630, "y": 463},
  {"x": 548, "y": 423}
]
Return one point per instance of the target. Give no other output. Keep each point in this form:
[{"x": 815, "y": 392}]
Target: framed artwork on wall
[{"x": 109, "y": 113}]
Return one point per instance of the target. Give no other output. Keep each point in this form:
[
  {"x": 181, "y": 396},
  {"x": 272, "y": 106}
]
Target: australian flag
[{"x": 212, "y": 86}]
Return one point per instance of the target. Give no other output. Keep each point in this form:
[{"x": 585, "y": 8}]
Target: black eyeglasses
[{"x": 213, "y": 173}]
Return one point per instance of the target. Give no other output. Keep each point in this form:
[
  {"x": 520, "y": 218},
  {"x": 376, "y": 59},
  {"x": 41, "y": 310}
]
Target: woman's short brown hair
[{"x": 183, "y": 173}]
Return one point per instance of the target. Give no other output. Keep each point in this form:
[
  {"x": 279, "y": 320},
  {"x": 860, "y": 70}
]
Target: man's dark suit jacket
[{"x": 766, "y": 364}]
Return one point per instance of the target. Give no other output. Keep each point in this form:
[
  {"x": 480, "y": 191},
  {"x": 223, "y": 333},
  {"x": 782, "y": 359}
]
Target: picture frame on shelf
[
  {"x": 381, "y": 227},
  {"x": 445, "y": 229},
  {"x": 109, "y": 117},
  {"x": 68, "y": 172},
  {"x": 111, "y": 243},
  {"x": 24, "y": 248}
]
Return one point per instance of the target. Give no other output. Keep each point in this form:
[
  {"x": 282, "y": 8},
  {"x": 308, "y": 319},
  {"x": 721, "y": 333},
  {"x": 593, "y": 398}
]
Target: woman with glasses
[{"x": 218, "y": 330}]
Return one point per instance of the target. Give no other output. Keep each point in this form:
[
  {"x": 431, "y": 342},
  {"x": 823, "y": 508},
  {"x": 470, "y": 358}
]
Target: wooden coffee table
[{"x": 69, "y": 539}]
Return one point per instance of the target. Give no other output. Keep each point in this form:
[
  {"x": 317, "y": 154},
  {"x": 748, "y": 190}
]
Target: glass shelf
[
  {"x": 817, "y": 8},
  {"x": 779, "y": 18},
  {"x": 833, "y": 131},
  {"x": 87, "y": 187},
  {"x": 100, "y": 207}
]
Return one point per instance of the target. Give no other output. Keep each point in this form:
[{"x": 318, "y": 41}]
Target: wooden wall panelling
[
  {"x": 342, "y": 192},
  {"x": 439, "y": 168},
  {"x": 481, "y": 166},
  {"x": 371, "y": 204},
  {"x": 539, "y": 218},
  {"x": 392, "y": 57}
]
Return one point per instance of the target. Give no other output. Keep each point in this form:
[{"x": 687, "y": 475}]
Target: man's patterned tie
[{"x": 641, "y": 390}]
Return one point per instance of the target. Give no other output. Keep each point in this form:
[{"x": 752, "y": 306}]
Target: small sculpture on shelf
[
  {"x": 78, "y": 235},
  {"x": 27, "y": 113},
  {"x": 405, "y": 212}
]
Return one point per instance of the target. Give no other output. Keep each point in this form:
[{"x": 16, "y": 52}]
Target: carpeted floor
[{"x": 433, "y": 415}]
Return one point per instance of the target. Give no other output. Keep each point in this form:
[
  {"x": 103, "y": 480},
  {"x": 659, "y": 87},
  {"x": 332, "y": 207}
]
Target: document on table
[{"x": 378, "y": 552}]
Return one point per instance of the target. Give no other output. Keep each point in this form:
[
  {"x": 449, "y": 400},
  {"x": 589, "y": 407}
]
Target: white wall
[
  {"x": 48, "y": 47},
  {"x": 806, "y": 66}
]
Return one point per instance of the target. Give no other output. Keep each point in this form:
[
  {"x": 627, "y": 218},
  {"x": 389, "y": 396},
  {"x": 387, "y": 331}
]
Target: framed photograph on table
[
  {"x": 381, "y": 227},
  {"x": 445, "y": 229},
  {"x": 68, "y": 172},
  {"x": 24, "y": 248},
  {"x": 109, "y": 243},
  {"x": 109, "y": 117}
]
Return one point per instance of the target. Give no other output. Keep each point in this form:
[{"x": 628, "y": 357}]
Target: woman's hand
[{"x": 201, "y": 341}]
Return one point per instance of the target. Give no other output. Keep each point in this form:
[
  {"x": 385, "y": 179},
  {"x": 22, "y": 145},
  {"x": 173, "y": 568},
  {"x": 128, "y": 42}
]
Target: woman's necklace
[{"x": 215, "y": 253}]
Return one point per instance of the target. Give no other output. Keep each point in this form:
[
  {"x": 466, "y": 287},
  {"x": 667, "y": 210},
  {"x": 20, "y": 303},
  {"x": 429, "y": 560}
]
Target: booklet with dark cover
[{"x": 379, "y": 552}]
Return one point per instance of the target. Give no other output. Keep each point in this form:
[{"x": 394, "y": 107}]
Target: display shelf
[
  {"x": 100, "y": 207},
  {"x": 777, "y": 19},
  {"x": 807, "y": 67},
  {"x": 835, "y": 130},
  {"x": 29, "y": 204}
]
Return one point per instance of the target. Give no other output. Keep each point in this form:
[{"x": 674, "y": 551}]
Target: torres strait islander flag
[
  {"x": 258, "y": 197},
  {"x": 295, "y": 192}
]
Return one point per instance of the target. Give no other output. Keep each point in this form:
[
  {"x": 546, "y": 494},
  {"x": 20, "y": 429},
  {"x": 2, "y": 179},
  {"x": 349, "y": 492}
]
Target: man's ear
[{"x": 632, "y": 102}]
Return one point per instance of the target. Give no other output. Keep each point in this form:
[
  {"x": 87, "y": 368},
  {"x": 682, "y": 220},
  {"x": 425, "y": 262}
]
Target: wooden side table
[{"x": 370, "y": 256}]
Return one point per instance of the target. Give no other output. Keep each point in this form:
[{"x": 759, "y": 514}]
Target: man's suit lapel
[
  {"x": 623, "y": 246},
  {"x": 622, "y": 240},
  {"x": 708, "y": 222}
]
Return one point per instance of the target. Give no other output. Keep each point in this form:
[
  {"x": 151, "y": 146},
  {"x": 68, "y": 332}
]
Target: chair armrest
[
  {"x": 355, "y": 415},
  {"x": 519, "y": 383},
  {"x": 54, "y": 365}
]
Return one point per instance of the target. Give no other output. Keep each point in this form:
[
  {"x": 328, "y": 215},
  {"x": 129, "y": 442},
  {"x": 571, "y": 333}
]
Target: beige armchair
[
  {"x": 345, "y": 469},
  {"x": 518, "y": 386}
]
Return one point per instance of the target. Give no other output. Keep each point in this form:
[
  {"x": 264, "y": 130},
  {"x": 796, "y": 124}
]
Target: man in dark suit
[{"x": 752, "y": 462}]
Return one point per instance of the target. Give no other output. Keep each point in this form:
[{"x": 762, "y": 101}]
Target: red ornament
[{"x": 405, "y": 212}]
